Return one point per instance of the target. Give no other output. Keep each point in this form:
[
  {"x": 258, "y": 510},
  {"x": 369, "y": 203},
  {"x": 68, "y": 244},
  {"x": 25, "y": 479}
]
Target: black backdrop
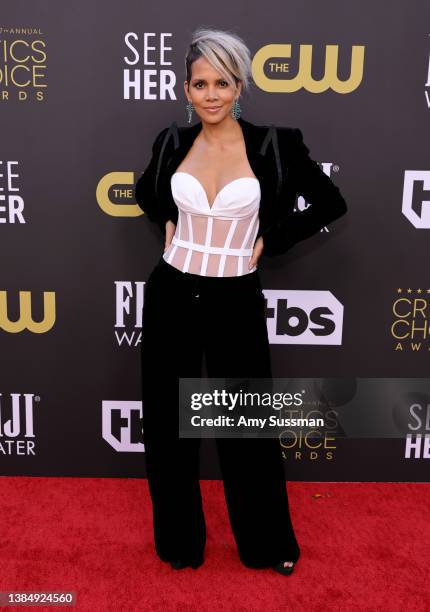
[{"x": 82, "y": 99}]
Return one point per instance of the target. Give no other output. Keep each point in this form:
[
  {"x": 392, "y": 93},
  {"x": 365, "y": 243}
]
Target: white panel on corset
[{"x": 217, "y": 240}]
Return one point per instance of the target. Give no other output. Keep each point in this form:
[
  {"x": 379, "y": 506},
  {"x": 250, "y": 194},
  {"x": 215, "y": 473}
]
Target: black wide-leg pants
[{"x": 185, "y": 317}]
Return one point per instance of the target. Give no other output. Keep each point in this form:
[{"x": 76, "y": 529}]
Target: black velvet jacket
[{"x": 279, "y": 159}]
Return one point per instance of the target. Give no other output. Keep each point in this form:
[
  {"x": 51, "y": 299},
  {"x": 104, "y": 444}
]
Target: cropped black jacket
[{"x": 279, "y": 159}]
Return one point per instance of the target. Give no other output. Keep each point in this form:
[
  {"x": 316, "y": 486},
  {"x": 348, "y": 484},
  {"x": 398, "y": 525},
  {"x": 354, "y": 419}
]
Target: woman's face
[{"x": 208, "y": 89}]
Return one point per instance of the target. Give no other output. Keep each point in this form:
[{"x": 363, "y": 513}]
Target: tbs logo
[{"x": 303, "y": 317}]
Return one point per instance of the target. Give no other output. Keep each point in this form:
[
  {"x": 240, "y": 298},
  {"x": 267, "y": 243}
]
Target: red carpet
[{"x": 364, "y": 546}]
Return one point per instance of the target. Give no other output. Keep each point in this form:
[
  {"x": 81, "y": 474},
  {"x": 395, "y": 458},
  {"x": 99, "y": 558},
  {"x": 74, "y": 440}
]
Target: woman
[{"x": 222, "y": 192}]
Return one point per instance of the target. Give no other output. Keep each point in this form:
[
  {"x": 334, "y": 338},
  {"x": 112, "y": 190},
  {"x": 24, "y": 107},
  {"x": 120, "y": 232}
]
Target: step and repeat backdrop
[{"x": 84, "y": 89}]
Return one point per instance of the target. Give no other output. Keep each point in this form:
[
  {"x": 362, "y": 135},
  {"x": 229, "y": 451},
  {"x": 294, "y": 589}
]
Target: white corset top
[{"x": 215, "y": 240}]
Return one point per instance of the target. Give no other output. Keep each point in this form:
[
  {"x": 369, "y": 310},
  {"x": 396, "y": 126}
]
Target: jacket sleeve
[
  {"x": 326, "y": 203},
  {"x": 144, "y": 189}
]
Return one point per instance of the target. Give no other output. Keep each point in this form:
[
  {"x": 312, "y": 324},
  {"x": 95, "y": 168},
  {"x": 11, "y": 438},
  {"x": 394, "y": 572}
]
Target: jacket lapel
[{"x": 257, "y": 143}]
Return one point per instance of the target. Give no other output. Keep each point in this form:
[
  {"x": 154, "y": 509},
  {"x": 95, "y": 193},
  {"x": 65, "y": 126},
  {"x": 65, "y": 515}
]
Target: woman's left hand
[{"x": 256, "y": 253}]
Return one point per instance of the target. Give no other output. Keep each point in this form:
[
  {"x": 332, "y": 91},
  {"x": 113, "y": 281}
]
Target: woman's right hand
[{"x": 170, "y": 231}]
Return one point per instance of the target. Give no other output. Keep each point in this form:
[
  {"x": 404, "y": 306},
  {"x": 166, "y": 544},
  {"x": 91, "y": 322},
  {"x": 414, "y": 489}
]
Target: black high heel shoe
[{"x": 281, "y": 569}]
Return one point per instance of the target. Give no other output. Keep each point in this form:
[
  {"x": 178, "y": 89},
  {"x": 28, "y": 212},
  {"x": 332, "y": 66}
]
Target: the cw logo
[
  {"x": 25, "y": 321},
  {"x": 304, "y": 74},
  {"x": 117, "y": 180}
]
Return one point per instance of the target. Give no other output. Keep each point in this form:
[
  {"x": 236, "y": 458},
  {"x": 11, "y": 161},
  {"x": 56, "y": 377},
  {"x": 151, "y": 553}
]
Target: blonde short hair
[{"x": 225, "y": 51}]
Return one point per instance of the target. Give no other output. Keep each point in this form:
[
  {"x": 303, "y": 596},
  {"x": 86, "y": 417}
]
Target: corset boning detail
[{"x": 214, "y": 240}]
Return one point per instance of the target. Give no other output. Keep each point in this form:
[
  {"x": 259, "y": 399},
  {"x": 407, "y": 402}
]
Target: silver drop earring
[
  {"x": 236, "y": 111},
  {"x": 189, "y": 106}
]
